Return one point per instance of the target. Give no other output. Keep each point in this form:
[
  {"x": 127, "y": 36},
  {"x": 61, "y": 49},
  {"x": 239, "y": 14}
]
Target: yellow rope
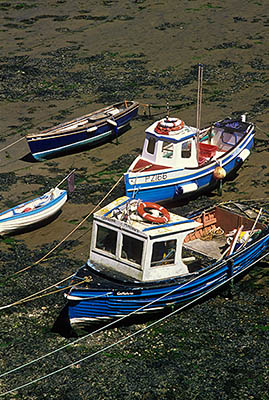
[
  {"x": 17, "y": 141},
  {"x": 266, "y": 133},
  {"x": 34, "y": 295},
  {"x": 142, "y": 168},
  {"x": 214, "y": 232}
]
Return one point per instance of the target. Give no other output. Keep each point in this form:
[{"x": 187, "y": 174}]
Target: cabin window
[
  {"x": 229, "y": 138},
  {"x": 151, "y": 145},
  {"x": 132, "y": 249},
  {"x": 186, "y": 149},
  {"x": 163, "y": 253},
  {"x": 167, "y": 149},
  {"x": 106, "y": 239}
]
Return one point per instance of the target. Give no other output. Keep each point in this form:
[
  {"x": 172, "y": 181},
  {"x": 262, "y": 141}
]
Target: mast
[{"x": 199, "y": 106}]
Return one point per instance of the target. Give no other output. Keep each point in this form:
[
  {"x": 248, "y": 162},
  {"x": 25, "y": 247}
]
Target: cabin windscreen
[
  {"x": 132, "y": 249},
  {"x": 229, "y": 138},
  {"x": 106, "y": 239},
  {"x": 163, "y": 253},
  {"x": 122, "y": 246}
]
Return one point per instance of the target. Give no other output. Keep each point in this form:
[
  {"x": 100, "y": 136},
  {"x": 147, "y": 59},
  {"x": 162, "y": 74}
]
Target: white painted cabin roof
[
  {"x": 180, "y": 135},
  {"x": 176, "y": 223}
]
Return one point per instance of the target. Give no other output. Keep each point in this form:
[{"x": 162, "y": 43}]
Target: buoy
[{"x": 219, "y": 173}]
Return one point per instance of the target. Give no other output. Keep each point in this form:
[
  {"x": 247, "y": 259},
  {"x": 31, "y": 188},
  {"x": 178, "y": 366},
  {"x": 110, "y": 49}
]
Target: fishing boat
[
  {"x": 144, "y": 259},
  {"x": 32, "y": 212},
  {"x": 89, "y": 129},
  {"x": 179, "y": 161}
]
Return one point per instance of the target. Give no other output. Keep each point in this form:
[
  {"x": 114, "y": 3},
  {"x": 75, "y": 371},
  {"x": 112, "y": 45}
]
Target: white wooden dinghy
[{"x": 32, "y": 212}]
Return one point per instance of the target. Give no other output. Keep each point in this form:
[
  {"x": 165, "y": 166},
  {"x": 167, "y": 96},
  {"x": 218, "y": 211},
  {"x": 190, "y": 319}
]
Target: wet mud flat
[{"x": 63, "y": 59}]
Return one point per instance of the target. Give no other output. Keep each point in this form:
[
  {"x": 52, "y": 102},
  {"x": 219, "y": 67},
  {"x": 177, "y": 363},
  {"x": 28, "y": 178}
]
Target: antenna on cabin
[
  {"x": 199, "y": 106},
  {"x": 167, "y": 108}
]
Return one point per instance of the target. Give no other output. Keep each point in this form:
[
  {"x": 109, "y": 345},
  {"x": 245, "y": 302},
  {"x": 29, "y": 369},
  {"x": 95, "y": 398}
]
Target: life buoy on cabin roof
[
  {"x": 168, "y": 125},
  {"x": 165, "y": 217}
]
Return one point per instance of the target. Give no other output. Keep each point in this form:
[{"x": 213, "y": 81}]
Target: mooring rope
[
  {"x": 113, "y": 322},
  {"x": 29, "y": 298},
  {"x": 68, "y": 235},
  {"x": 11, "y": 144},
  {"x": 260, "y": 129},
  {"x": 124, "y": 339},
  {"x": 125, "y": 316},
  {"x": 35, "y": 295}
]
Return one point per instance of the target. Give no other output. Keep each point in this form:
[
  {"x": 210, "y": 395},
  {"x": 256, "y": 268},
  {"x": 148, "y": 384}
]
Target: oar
[{"x": 234, "y": 241}]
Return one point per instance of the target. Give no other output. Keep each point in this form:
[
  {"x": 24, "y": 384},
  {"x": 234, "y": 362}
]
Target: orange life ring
[
  {"x": 164, "y": 127},
  {"x": 151, "y": 218}
]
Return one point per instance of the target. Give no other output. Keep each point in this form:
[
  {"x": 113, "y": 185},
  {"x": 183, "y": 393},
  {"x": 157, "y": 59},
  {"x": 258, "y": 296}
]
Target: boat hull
[
  {"x": 174, "y": 184},
  {"x": 51, "y": 144},
  {"x": 114, "y": 301}
]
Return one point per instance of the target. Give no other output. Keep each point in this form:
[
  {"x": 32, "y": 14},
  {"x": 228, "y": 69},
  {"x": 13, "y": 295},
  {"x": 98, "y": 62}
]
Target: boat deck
[{"x": 210, "y": 248}]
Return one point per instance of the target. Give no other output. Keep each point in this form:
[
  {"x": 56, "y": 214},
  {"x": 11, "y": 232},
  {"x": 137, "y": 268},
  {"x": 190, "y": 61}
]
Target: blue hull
[
  {"x": 161, "y": 188},
  {"x": 51, "y": 144},
  {"x": 116, "y": 301}
]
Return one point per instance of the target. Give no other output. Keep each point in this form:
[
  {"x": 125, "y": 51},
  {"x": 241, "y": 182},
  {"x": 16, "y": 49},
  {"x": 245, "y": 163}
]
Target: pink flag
[{"x": 71, "y": 182}]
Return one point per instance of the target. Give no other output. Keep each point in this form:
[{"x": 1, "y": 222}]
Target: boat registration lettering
[
  {"x": 156, "y": 178},
  {"x": 119, "y": 293}
]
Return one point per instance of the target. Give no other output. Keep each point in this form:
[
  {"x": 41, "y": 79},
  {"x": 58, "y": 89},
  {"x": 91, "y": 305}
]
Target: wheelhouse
[
  {"x": 170, "y": 150},
  {"x": 136, "y": 248}
]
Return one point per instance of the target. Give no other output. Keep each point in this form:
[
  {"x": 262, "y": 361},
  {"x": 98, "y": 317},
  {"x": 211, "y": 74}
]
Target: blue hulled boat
[
  {"x": 89, "y": 129},
  {"x": 179, "y": 160},
  {"x": 144, "y": 258}
]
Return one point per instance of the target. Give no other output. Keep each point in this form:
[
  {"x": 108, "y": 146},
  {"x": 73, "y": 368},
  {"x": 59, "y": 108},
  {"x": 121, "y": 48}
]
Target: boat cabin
[
  {"x": 170, "y": 148},
  {"x": 125, "y": 242},
  {"x": 170, "y": 143}
]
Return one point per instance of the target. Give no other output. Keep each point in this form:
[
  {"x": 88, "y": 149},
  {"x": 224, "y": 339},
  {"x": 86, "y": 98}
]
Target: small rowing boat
[
  {"x": 32, "y": 212},
  {"x": 90, "y": 129}
]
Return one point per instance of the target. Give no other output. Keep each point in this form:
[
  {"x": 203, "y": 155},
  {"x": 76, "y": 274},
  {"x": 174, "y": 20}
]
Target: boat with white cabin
[
  {"x": 144, "y": 258},
  {"x": 179, "y": 160}
]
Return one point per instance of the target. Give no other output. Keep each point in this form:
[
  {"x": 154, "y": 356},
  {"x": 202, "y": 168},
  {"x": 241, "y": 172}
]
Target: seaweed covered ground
[{"x": 62, "y": 59}]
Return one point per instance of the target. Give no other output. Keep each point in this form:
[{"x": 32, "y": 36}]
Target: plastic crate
[{"x": 207, "y": 150}]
